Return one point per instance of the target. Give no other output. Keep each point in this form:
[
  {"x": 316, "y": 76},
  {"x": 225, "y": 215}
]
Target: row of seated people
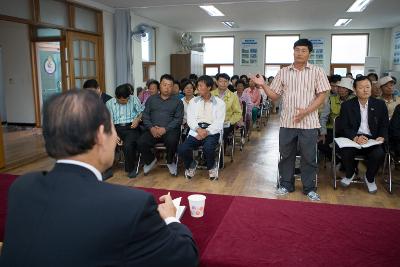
[
  {"x": 140, "y": 127},
  {"x": 360, "y": 117},
  {"x": 186, "y": 90}
]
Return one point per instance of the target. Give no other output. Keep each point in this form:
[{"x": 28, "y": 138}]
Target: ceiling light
[
  {"x": 230, "y": 24},
  {"x": 212, "y": 11},
  {"x": 342, "y": 22},
  {"x": 359, "y": 5}
]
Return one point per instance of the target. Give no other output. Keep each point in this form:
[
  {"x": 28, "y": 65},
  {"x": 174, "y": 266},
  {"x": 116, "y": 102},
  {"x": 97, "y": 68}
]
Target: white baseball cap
[
  {"x": 346, "y": 83},
  {"x": 384, "y": 80}
]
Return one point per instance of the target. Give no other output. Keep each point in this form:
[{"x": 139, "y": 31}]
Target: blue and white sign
[
  {"x": 248, "y": 52},
  {"x": 396, "y": 55},
  {"x": 317, "y": 55}
]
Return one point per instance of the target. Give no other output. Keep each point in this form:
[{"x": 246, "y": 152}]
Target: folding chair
[
  {"x": 389, "y": 158},
  {"x": 161, "y": 148},
  {"x": 240, "y": 134},
  {"x": 230, "y": 143},
  {"x": 119, "y": 157},
  {"x": 265, "y": 111},
  {"x": 219, "y": 160},
  {"x": 335, "y": 155}
]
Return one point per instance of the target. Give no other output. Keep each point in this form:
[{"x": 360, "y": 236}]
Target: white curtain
[{"x": 123, "y": 46}]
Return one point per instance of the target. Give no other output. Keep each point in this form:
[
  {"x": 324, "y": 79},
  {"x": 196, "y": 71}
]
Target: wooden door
[{"x": 84, "y": 59}]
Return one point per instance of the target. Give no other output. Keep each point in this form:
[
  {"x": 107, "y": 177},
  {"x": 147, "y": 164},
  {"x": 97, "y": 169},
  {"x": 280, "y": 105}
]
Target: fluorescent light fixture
[
  {"x": 359, "y": 6},
  {"x": 342, "y": 22},
  {"x": 230, "y": 24},
  {"x": 212, "y": 11}
]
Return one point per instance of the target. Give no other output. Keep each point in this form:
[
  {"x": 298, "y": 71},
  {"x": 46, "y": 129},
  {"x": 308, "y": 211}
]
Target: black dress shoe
[
  {"x": 132, "y": 174},
  {"x": 107, "y": 174}
]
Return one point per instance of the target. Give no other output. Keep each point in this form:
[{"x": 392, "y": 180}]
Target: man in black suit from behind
[
  {"x": 363, "y": 118},
  {"x": 92, "y": 84},
  {"x": 69, "y": 217}
]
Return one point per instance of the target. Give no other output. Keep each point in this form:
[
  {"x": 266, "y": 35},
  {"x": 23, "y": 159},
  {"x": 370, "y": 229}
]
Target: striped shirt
[
  {"x": 299, "y": 89},
  {"x": 124, "y": 113}
]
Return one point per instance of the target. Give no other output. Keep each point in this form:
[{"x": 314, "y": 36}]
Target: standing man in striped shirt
[
  {"x": 302, "y": 87},
  {"x": 126, "y": 114}
]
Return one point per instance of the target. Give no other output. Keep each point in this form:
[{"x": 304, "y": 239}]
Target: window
[
  {"x": 54, "y": 12},
  {"x": 22, "y": 9},
  {"x": 278, "y": 52},
  {"x": 85, "y": 19},
  {"x": 148, "y": 43},
  {"x": 218, "y": 55},
  {"x": 348, "y": 53}
]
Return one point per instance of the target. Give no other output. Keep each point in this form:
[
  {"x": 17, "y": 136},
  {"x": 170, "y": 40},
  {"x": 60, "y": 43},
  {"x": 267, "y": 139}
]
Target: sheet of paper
[
  {"x": 346, "y": 142},
  {"x": 371, "y": 142},
  {"x": 179, "y": 209}
]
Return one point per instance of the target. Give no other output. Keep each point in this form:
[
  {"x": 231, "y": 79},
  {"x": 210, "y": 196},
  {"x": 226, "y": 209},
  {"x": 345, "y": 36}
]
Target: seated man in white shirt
[{"x": 205, "y": 117}]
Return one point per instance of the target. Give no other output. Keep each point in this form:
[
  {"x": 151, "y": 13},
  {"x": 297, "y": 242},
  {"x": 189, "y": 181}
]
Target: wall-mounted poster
[
  {"x": 396, "y": 55},
  {"x": 248, "y": 51},
  {"x": 317, "y": 56}
]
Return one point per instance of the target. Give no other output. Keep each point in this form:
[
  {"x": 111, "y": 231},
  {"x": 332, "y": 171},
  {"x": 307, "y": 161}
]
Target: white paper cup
[{"x": 196, "y": 204}]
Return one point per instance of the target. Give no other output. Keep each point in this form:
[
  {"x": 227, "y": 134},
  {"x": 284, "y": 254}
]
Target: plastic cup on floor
[{"x": 197, "y": 203}]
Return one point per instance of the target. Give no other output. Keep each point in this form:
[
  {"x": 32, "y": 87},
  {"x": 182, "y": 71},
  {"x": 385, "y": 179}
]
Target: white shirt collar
[
  {"x": 363, "y": 106},
  {"x": 82, "y": 164}
]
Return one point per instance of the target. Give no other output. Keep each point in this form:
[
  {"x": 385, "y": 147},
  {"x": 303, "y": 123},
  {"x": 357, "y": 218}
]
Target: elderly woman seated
[
  {"x": 362, "y": 119},
  {"x": 246, "y": 98},
  {"x": 344, "y": 91},
  {"x": 152, "y": 88}
]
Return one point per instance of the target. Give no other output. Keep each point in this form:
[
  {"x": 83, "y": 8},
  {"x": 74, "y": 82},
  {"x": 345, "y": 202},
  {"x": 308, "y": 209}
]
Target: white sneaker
[
  {"x": 371, "y": 186},
  {"x": 313, "y": 196},
  {"x": 148, "y": 168},
  {"x": 281, "y": 191},
  {"x": 189, "y": 173},
  {"x": 213, "y": 174},
  {"x": 172, "y": 168},
  {"x": 345, "y": 182}
]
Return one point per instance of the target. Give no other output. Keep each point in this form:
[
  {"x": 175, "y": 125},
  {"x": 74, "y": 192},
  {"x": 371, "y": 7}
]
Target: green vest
[{"x": 335, "y": 109}]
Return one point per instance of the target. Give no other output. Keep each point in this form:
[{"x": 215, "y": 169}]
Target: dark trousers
[
  {"x": 147, "y": 142},
  {"x": 209, "y": 144},
  {"x": 303, "y": 140},
  {"x": 374, "y": 157},
  {"x": 395, "y": 146},
  {"x": 129, "y": 137},
  {"x": 228, "y": 131}
]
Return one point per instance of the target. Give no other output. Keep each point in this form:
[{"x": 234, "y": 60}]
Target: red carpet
[
  {"x": 243, "y": 231},
  {"x": 5, "y": 182}
]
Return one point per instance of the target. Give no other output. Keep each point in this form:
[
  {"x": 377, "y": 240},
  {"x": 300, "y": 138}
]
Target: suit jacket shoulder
[{"x": 68, "y": 218}]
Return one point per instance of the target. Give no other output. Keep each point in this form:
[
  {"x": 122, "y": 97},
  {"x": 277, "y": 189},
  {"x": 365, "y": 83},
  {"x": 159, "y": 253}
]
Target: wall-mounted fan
[
  {"x": 142, "y": 32},
  {"x": 187, "y": 43}
]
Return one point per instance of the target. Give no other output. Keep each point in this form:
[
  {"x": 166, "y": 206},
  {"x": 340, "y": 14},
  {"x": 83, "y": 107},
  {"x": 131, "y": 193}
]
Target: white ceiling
[{"x": 262, "y": 15}]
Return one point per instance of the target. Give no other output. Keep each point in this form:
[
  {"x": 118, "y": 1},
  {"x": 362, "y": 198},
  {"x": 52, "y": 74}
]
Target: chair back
[{"x": 244, "y": 110}]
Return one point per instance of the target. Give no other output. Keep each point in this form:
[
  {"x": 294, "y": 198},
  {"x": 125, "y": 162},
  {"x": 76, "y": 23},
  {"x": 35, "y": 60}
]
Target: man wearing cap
[
  {"x": 331, "y": 111},
  {"x": 387, "y": 86}
]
